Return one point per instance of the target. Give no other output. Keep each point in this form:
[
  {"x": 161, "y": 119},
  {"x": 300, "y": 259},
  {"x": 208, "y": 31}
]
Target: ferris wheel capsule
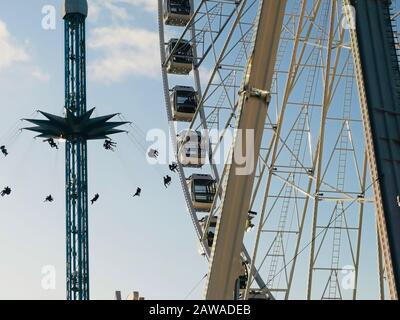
[
  {"x": 177, "y": 12},
  {"x": 192, "y": 148},
  {"x": 184, "y": 103},
  {"x": 181, "y": 57},
  {"x": 203, "y": 189}
]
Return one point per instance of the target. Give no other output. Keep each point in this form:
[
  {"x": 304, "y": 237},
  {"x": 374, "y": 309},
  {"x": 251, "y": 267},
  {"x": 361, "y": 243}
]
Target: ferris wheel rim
[
  {"x": 173, "y": 132},
  {"x": 192, "y": 211}
]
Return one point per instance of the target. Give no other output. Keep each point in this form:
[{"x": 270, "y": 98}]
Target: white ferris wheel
[{"x": 265, "y": 115}]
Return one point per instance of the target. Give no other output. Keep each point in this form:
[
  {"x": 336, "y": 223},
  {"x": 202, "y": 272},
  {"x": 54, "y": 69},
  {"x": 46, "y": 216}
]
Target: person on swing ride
[
  {"x": 138, "y": 192},
  {"x": 4, "y": 150},
  {"x": 49, "y": 199},
  {"x": 173, "y": 167},
  {"x": 6, "y": 191},
  {"x": 51, "y": 142},
  {"x": 109, "y": 145},
  {"x": 167, "y": 181},
  {"x": 96, "y": 197},
  {"x": 153, "y": 153}
]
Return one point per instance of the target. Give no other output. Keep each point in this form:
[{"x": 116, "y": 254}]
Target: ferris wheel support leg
[
  {"x": 378, "y": 77},
  {"x": 225, "y": 260}
]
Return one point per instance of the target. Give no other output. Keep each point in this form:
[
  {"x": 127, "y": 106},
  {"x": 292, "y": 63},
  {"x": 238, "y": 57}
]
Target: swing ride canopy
[{"x": 72, "y": 127}]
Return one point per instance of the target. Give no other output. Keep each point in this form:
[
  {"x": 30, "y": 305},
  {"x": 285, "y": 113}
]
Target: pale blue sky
[{"x": 145, "y": 244}]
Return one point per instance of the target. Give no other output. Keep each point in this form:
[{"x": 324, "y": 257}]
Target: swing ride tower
[
  {"x": 76, "y": 195},
  {"x": 76, "y": 128}
]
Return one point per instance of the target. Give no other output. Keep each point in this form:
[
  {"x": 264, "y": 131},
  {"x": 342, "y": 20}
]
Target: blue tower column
[{"x": 77, "y": 228}]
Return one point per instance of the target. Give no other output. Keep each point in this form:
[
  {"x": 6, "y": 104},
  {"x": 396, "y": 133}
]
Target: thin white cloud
[
  {"x": 116, "y": 11},
  {"x": 10, "y": 51},
  {"x": 205, "y": 75},
  {"x": 13, "y": 52},
  {"x": 149, "y": 5},
  {"x": 124, "y": 52},
  {"x": 40, "y": 75},
  {"x": 118, "y": 8},
  {"x": 94, "y": 10},
  {"x": 121, "y": 51}
]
